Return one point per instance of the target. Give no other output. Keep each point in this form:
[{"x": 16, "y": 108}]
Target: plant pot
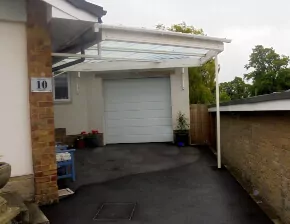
[
  {"x": 181, "y": 137},
  {"x": 5, "y": 173},
  {"x": 79, "y": 143},
  {"x": 91, "y": 142}
]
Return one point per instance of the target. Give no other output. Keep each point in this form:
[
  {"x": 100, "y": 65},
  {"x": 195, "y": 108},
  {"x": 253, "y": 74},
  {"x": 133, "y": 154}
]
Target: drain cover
[{"x": 115, "y": 211}]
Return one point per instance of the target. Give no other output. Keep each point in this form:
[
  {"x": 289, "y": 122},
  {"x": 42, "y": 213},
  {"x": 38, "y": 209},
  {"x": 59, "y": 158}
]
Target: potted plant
[
  {"x": 5, "y": 173},
  {"x": 91, "y": 139},
  {"x": 181, "y": 134}
]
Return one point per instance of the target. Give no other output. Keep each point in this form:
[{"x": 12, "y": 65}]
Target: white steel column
[{"x": 218, "y": 122}]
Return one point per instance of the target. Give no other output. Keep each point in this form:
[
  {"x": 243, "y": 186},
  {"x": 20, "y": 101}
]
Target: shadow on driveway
[
  {"x": 194, "y": 193},
  {"x": 114, "y": 161}
]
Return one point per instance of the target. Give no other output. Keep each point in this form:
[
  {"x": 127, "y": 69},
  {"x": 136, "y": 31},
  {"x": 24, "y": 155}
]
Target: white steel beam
[
  {"x": 209, "y": 55},
  {"x": 75, "y": 55},
  {"x": 135, "y": 50},
  {"x": 166, "y": 38},
  {"x": 98, "y": 57},
  {"x": 133, "y": 65},
  {"x": 218, "y": 121}
]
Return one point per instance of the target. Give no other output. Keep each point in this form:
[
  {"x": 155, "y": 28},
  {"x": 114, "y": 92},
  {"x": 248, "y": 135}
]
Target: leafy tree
[
  {"x": 224, "y": 97},
  {"x": 184, "y": 28},
  {"x": 236, "y": 89},
  {"x": 269, "y": 71},
  {"x": 201, "y": 79}
]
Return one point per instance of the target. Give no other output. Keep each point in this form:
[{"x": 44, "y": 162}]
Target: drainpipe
[{"x": 78, "y": 61}]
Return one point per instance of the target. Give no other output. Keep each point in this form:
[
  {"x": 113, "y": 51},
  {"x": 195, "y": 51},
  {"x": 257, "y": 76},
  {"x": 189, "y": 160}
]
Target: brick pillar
[{"x": 41, "y": 104}]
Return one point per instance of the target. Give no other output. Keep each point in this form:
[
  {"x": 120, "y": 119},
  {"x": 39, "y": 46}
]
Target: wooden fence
[{"x": 200, "y": 124}]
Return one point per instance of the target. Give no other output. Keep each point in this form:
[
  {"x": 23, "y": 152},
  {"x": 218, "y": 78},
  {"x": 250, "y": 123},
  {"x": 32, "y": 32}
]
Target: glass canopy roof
[
  {"x": 126, "y": 51},
  {"x": 138, "y": 46}
]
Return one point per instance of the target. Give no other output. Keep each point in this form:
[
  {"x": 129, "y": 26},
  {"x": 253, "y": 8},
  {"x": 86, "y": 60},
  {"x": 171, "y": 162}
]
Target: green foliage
[
  {"x": 201, "y": 79},
  {"x": 224, "y": 97},
  {"x": 181, "y": 28},
  {"x": 269, "y": 71},
  {"x": 202, "y": 83},
  {"x": 182, "y": 122},
  {"x": 236, "y": 89}
]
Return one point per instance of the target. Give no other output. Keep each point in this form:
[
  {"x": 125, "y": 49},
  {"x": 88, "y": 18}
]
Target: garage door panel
[
  {"x": 139, "y": 122},
  {"x": 136, "y": 106},
  {"x": 125, "y": 84},
  {"x": 139, "y": 90},
  {"x": 144, "y": 91},
  {"x": 138, "y": 110},
  {"x": 134, "y": 114},
  {"x": 130, "y": 98},
  {"x": 149, "y": 130},
  {"x": 138, "y": 138}
]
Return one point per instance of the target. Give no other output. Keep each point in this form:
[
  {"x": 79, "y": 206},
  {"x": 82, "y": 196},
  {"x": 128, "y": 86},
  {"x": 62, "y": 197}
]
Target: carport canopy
[{"x": 127, "y": 48}]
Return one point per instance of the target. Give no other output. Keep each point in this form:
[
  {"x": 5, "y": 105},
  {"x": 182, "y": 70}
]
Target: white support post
[
  {"x": 218, "y": 122},
  {"x": 182, "y": 73},
  {"x": 100, "y": 49}
]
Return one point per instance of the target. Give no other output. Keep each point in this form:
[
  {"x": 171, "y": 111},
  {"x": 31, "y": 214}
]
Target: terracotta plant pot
[{"x": 5, "y": 173}]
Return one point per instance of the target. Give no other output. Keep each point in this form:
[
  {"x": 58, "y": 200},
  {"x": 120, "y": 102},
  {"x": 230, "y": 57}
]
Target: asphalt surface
[
  {"x": 107, "y": 163},
  {"x": 195, "y": 193}
]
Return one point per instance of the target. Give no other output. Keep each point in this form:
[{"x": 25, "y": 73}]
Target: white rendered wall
[
  {"x": 179, "y": 94},
  {"x": 73, "y": 115},
  {"x": 14, "y": 95}
]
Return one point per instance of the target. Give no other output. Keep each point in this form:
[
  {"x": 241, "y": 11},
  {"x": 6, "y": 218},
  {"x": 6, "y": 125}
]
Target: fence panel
[{"x": 199, "y": 124}]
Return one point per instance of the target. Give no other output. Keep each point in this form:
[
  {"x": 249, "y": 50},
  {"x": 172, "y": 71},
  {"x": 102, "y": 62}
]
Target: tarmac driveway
[
  {"x": 114, "y": 161},
  {"x": 190, "y": 194}
]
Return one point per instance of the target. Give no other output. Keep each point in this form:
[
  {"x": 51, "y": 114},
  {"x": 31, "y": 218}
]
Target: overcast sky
[{"x": 247, "y": 23}]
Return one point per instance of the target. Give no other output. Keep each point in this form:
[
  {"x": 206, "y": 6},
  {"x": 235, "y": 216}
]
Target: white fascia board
[
  {"x": 209, "y": 55},
  {"x": 276, "y": 105},
  {"x": 62, "y": 7},
  {"x": 132, "y": 65},
  {"x": 58, "y": 14},
  {"x": 166, "y": 38},
  {"x": 162, "y": 32}
]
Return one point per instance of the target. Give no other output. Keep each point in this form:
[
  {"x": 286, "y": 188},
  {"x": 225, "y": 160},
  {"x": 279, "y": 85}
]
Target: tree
[
  {"x": 236, "y": 89},
  {"x": 269, "y": 71},
  {"x": 224, "y": 97},
  {"x": 201, "y": 79}
]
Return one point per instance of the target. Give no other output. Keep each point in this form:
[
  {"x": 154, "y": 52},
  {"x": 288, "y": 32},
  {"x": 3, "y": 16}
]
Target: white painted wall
[
  {"x": 73, "y": 115},
  {"x": 86, "y": 110},
  {"x": 14, "y": 96},
  {"x": 13, "y": 10},
  {"x": 95, "y": 104},
  {"x": 179, "y": 96}
]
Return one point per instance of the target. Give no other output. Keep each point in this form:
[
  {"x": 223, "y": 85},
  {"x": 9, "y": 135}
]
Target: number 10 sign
[{"x": 41, "y": 85}]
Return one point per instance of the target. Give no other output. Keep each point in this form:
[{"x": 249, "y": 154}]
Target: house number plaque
[{"x": 41, "y": 85}]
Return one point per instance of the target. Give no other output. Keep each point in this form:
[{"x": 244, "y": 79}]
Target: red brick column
[{"x": 41, "y": 104}]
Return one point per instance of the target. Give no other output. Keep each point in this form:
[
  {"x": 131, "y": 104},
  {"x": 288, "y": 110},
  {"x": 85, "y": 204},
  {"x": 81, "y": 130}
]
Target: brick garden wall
[{"x": 256, "y": 147}]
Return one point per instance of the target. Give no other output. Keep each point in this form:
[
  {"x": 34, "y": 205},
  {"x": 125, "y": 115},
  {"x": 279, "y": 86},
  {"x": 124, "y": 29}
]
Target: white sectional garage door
[{"x": 138, "y": 110}]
